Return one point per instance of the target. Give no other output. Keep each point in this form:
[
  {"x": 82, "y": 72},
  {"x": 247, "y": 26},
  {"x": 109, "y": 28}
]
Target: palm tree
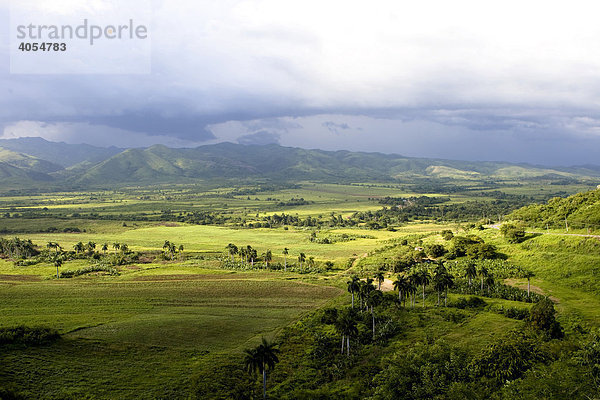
[
  {"x": 414, "y": 281},
  {"x": 489, "y": 282},
  {"x": 285, "y": 252},
  {"x": 483, "y": 273},
  {"x": 374, "y": 298},
  {"x": 442, "y": 281},
  {"x": 91, "y": 246},
  {"x": 104, "y": 248},
  {"x": 424, "y": 278},
  {"x": 528, "y": 275},
  {"x": 401, "y": 285},
  {"x": 262, "y": 358},
  {"x": 268, "y": 256},
  {"x": 124, "y": 248},
  {"x": 301, "y": 259},
  {"x": 53, "y": 245},
  {"x": 116, "y": 246},
  {"x": 78, "y": 247},
  {"x": 353, "y": 286},
  {"x": 346, "y": 325},
  {"x": 58, "y": 262},
  {"x": 471, "y": 272},
  {"x": 366, "y": 287},
  {"x": 180, "y": 249},
  {"x": 379, "y": 277},
  {"x": 233, "y": 250}
]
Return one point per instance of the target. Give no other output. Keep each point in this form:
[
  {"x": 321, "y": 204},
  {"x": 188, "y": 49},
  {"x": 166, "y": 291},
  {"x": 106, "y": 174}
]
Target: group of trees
[
  {"x": 408, "y": 283},
  {"x": 17, "y": 248},
  {"x": 249, "y": 255},
  {"x": 170, "y": 249}
]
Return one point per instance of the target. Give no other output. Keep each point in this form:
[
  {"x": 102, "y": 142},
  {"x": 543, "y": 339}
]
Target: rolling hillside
[
  {"x": 581, "y": 210},
  {"x": 89, "y": 165},
  {"x": 62, "y": 154}
]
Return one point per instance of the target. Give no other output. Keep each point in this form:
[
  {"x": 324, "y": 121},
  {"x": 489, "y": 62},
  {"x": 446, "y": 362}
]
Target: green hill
[
  {"x": 581, "y": 210},
  {"x": 89, "y": 165},
  {"x": 59, "y": 153},
  {"x": 27, "y": 162},
  {"x": 227, "y": 160}
]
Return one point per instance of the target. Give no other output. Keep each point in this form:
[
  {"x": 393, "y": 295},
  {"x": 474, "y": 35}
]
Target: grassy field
[
  {"x": 148, "y": 331},
  {"x": 118, "y": 331}
]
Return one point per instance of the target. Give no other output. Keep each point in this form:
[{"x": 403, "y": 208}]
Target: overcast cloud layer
[{"x": 477, "y": 80}]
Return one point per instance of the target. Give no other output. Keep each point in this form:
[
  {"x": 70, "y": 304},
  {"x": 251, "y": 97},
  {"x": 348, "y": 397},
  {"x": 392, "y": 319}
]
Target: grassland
[{"x": 147, "y": 332}]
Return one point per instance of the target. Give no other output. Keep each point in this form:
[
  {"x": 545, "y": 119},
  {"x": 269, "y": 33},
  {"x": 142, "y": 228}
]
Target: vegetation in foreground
[{"x": 440, "y": 310}]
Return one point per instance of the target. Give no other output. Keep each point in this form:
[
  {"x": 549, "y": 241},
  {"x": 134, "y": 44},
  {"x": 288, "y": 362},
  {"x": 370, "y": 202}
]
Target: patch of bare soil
[{"x": 19, "y": 278}]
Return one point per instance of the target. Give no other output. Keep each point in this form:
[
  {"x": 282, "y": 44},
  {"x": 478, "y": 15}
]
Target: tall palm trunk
[
  {"x": 373, "y": 316},
  {"x": 482, "y": 283},
  {"x": 348, "y": 345},
  {"x": 264, "y": 382},
  {"x": 285, "y": 263},
  {"x": 343, "y": 339},
  {"x": 423, "y": 295},
  {"x": 352, "y": 299}
]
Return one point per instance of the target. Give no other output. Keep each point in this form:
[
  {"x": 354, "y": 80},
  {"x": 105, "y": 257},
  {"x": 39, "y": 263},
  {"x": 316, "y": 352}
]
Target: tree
[
  {"x": 301, "y": 259},
  {"x": 374, "y": 298},
  {"x": 471, "y": 272},
  {"x": 233, "y": 250},
  {"x": 542, "y": 318},
  {"x": 268, "y": 256},
  {"x": 180, "y": 249},
  {"x": 435, "y": 250},
  {"x": 91, "y": 247},
  {"x": 353, "y": 287},
  {"x": 116, "y": 246},
  {"x": 346, "y": 325},
  {"x": 528, "y": 275},
  {"x": 380, "y": 278},
  {"x": 285, "y": 252},
  {"x": 78, "y": 247},
  {"x": 483, "y": 273},
  {"x": 442, "y": 281},
  {"x": 261, "y": 358},
  {"x": 105, "y": 248},
  {"x": 512, "y": 233},
  {"x": 414, "y": 282},
  {"x": 365, "y": 288},
  {"x": 447, "y": 234},
  {"x": 401, "y": 285},
  {"x": 57, "y": 260},
  {"x": 424, "y": 278}
]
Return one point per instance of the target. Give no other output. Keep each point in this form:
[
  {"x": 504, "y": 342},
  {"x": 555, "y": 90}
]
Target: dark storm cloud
[{"x": 462, "y": 86}]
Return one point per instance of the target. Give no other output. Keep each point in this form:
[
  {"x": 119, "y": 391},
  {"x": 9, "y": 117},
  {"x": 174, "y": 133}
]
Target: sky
[{"x": 475, "y": 80}]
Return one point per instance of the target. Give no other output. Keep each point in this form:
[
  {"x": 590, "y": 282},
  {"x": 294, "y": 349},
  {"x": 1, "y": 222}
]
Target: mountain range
[{"x": 35, "y": 160}]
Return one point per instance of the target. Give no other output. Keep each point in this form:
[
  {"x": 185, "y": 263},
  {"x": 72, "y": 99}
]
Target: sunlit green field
[
  {"x": 146, "y": 332},
  {"x": 118, "y": 330}
]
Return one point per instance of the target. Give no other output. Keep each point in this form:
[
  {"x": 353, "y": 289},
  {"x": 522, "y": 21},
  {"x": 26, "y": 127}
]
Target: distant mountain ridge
[
  {"x": 86, "y": 165},
  {"x": 60, "y": 153}
]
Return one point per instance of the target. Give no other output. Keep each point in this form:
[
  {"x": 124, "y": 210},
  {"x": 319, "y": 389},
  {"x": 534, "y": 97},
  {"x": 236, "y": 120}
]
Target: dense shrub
[{"x": 27, "y": 335}]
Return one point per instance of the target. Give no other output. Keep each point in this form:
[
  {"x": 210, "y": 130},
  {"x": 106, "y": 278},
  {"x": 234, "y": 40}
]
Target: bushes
[
  {"x": 473, "y": 302},
  {"x": 541, "y": 318},
  {"x": 89, "y": 270},
  {"x": 30, "y": 336},
  {"x": 512, "y": 233}
]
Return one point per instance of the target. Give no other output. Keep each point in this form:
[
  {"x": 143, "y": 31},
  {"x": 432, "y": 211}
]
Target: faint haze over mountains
[{"x": 471, "y": 80}]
